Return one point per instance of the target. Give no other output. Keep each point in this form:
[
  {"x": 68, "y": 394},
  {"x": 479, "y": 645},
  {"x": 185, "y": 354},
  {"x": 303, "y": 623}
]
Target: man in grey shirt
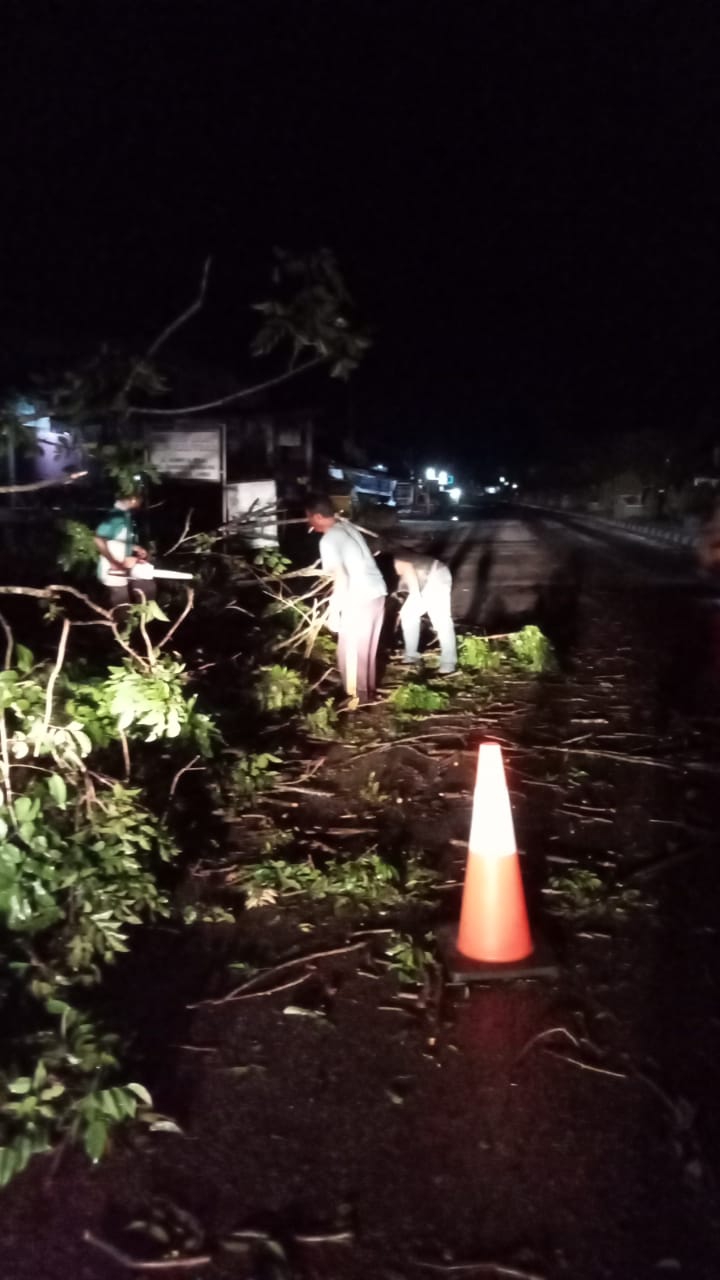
[{"x": 357, "y": 603}]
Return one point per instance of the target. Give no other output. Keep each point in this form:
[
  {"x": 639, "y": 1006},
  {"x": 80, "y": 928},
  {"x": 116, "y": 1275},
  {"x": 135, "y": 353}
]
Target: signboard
[
  {"x": 254, "y": 496},
  {"x": 289, "y": 438},
  {"x": 188, "y": 453}
]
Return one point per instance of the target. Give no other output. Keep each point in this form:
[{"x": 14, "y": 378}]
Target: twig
[
  {"x": 545, "y": 1035},
  {"x": 187, "y": 768},
  {"x": 587, "y": 1066},
  {"x": 277, "y": 969},
  {"x": 57, "y": 1159},
  {"x": 189, "y": 602},
  {"x": 306, "y": 791},
  {"x": 400, "y": 742},
  {"x": 272, "y": 991},
  {"x": 42, "y": 484},
  {"x": 657, "y": 1090},
  {"x": 185, "y": 315},
  {"x": 183, "y": 535},
  {"x": 125, "y": 753},
  {"x": 104, "y": 617},
  {"x": 5, "y": 759},
  {"x": 133, "y": 1264},
  {"x": 606, "y": 755},
  {"x": 167, "y": 332},
  {"x": 664, "y": 864},
  {"x": 304, "y": 777},
  {"x": 492, "y": 1270},
  {"x": 10, "y": 643},
  {"x": 62, "y": 646},
  {"x": 329, "y": 1237}
]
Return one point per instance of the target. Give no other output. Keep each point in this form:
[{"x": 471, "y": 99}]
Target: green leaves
[
  {"x": 477, "y": 653},
  {"x": 271, "y": 560},
  {"x": 531, "y": 649},
  {"x": 363, "y": 882},
  {"x": 86, "y": 872},
  {"x": 527, "y": 648},
  {"x": 69, "y": 1094},
  {"x": 26, "y": 809},
  {"x": 279, "y": 688},
  {"x": 149, "y": 705},
  {"x": 311, "y": 312},
  {"x": 57, "y": 787},
  {"x": 78, "y": 872},
  {"x": 141, "y": 1092},
  {"x": 251, "y": 774},
  {"x": 409, "y": 959},
  {"x": 24, "y": 659},
  {"x": 324, "y": 722},
  {"x": 418, "y": 697},
  {"x": 78, "y": 552},
  {"x": 95, "y": 1139}
]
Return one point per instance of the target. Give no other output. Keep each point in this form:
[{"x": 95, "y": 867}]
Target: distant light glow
[
  {"x": 491, "y": 488},
  {"x": 442, "y": 477},
  {"x": 502, "y": 479},
  {"x": 454, "y": 517},
  {"x": 514, "y": 486},
  {"x": 455, "y": 494},
  {"x": 431, "y": 474}
]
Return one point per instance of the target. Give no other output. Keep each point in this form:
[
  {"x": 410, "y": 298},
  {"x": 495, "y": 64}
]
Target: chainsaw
[{"x": 146, "y": 572}]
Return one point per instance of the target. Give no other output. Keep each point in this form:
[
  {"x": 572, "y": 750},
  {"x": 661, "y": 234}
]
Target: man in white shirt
[
  {"x": 428, "y": 584},
  {"x": 357, "y": 603}
]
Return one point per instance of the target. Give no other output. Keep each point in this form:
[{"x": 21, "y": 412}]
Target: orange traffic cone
[
  {"x": 493, "y": 921},
  {"x": 494, "y": 935}
]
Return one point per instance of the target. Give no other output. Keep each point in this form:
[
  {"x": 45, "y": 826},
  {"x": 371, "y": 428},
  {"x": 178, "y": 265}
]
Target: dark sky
[{"x": 524, "y": 196}]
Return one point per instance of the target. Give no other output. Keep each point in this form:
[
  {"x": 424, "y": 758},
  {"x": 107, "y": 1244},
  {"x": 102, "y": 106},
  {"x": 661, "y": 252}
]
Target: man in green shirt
[{"x": 118, "y": 552}]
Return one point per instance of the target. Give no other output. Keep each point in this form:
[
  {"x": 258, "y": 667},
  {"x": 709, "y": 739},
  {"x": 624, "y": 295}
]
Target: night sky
[{"x": 524, "y": 197}]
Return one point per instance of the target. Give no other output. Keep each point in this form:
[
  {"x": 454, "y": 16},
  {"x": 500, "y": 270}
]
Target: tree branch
[
  {"x": 184, "y": 534},
  {"x": 42, "y": 484},
  {"x": 104, "y": 617},
  {"x": 190, "y": 600},
  {"x": 10, "y": 643},
  {"x": 130, "y": 1263},
  {"x": 186, "y": 315},
  {"x": 5, "y": 760},
  {"x": 62, "y": 646},
  {"x": 236, "y": 395},
  {"x": 169, "y": 330},
  {"x": 187, "y": 768}
]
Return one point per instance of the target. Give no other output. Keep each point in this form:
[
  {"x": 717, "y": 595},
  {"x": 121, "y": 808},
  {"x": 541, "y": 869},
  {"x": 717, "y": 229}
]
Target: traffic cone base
[{"x": 541, "y": 963}]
